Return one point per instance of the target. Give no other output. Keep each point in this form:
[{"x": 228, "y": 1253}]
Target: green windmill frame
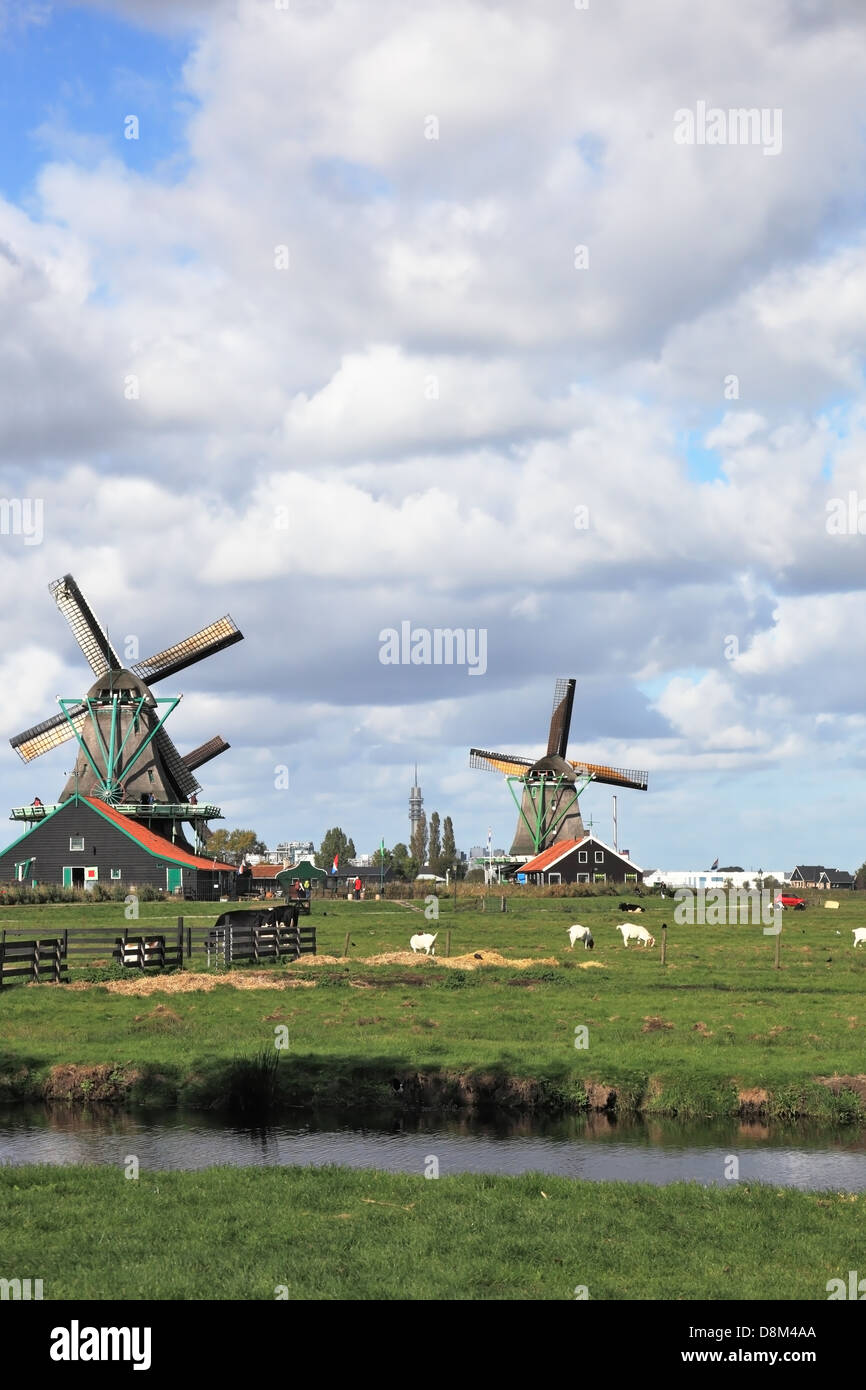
[
  {"x": 110, "y": 779},
  {"x": 542, "y": 788}
]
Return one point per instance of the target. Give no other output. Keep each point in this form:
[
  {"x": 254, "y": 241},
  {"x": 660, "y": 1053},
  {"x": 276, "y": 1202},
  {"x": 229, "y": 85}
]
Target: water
[{"x": 591, "y": 1147}]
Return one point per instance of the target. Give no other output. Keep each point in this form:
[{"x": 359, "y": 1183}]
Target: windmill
[
  {"x": 549, "y": 788},
  {"x": 125, "y": 756}
]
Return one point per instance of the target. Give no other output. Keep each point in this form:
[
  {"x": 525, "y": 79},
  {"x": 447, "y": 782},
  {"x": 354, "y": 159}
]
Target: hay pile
[
  {"x": 466, "y": 962},
  {"x": 188, "y": 981}
]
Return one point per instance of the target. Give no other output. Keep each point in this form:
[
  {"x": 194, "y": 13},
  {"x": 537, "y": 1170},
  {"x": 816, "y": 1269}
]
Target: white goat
[
  {"x": 638, "y": 934},
  {"x": 579, "y": 933},
  {"x": 859, "y": 935},
  {"x": 423, "y": 941}
]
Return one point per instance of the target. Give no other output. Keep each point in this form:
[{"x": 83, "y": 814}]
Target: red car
[{"x": 783, "y": 901}]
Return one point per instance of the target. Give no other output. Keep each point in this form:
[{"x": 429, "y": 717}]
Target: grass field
[
  {"x": 692, "y": 1037},
  {"x": 338, "y": 1234}
]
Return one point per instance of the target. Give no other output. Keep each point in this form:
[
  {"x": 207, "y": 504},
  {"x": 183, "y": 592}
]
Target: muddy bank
[{"x": 268, "y": 1083}]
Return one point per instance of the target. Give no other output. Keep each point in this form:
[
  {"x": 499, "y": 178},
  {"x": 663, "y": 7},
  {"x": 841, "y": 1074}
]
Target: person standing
[{"x": 357, "y": 886}]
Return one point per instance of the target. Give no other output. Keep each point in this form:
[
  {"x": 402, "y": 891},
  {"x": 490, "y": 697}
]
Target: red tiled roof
[
  {"x": 154, "y": 844},
  {"x": 267, "y": 870},
  {"x": 550, "y": 855}
]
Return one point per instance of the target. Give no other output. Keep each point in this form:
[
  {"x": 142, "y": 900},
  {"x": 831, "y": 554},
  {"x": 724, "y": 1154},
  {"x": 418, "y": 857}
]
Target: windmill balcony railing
[{"x": 157, "y": 810}]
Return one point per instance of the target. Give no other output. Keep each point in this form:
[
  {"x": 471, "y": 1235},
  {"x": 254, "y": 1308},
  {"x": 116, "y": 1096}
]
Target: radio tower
[{"x": 416, "y": 801}]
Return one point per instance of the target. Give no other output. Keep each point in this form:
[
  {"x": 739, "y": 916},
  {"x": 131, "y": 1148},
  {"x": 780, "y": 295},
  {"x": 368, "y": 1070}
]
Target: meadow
[
  {"x": 333, "y": 1233},
  {"x": 714, "y": 1030}
]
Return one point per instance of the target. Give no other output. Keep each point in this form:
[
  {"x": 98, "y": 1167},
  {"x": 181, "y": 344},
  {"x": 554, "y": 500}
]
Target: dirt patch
[
  {"x": 104, "y": 1083},
  {"x": 654, "y": 1024},
  {"x": 857, "y": 1084},
  {"x": 599, "y": 1096},
  {"x": 188, "y": 982},
  {"x": 702, "y": 1028},
  {"x": 753, "y": 1101}
]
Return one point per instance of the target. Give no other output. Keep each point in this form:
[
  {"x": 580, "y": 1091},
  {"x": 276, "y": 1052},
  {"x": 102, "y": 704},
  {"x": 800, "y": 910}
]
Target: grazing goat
[
  {"x": 423, "y": 941},
  {"x": 630, "y": 907},
  {"x": 859, "y": 935},
  {"x": 638, "y": 934},
  {"x": 579, "y": 933}
]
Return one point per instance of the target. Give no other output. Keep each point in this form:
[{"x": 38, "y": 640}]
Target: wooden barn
[
  {"x": 588, "y": 860},
  {"x": 85, "y": 842}
]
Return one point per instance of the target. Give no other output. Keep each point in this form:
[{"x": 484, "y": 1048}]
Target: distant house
[
  {"x": 806, "y": 875},
  {"x": 836, "y": 878},
  {"x": 588, "y": 860},
  {"x": 816, "y": 876}
]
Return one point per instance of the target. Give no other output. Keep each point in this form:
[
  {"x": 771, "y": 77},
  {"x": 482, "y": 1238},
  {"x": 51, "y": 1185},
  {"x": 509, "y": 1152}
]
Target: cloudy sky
[{"x": 335, "y": 315}]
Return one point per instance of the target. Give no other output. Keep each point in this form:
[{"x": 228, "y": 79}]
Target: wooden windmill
[
  {"x": 547, "y": 791},
  {"x": 125, "y": 755}
]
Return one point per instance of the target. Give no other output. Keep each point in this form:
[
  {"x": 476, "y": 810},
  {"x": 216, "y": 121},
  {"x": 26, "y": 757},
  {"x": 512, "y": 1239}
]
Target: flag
[
  {"x": 714, "y": 865},
  {"x": 336, "y": 862}
]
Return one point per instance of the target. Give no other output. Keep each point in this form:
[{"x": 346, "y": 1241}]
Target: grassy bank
[
  {"x": 340, "y": 1234},
  {"x": 714, "y": 1030}
]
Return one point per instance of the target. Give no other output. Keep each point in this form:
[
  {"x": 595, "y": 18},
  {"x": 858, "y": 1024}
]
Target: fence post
[
  {"x": 483, "y": 904},
  {"x": 180, "y": 942},
  {"x": 2, "y": 953},
  {"x": 777, "y": 963},
  {"x": 664, "y": 941},
  {"x": 448, "y": 943},
  {"x": 36, "y": 961},
  {"x": 503, "y": 903},
  {"x": 189, "y": 944},
  {"x": 346, "y": 946}
]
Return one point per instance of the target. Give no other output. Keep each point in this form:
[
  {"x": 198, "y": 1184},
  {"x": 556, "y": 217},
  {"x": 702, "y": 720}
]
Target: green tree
[
  {"x": 449, "y": 847},
  {"x": 400, "y": 860},
  {"x": 434, "y": 853},
  {"x": 860, "y": 877},
  {"x": 418, "y": 844},
  {"x": 335, "y": 842},
  {"x": 232, "y": 845}
]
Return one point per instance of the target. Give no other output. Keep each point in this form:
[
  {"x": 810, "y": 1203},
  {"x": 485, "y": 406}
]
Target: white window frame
[
  {"x": 599, "y": 856},
  {"x": 116, "y": 874},
  {"x": 582, "y": 855},
  {"x": 76, "y": 848},
  {"x": 554, "y": 878},
  {"x": 583, "y": 878},
  {"x": 599, "y": 878}
]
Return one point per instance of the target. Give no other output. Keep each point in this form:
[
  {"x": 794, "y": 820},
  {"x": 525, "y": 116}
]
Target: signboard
[{"x": 521, "y": 878}]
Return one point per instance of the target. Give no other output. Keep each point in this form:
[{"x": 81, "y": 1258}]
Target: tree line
[{"x": 430, "y": 846}]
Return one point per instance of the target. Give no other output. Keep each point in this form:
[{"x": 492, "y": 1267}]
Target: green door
[
  {"x": 173, "y": 877},
  {"x": 67, "y": 878}
]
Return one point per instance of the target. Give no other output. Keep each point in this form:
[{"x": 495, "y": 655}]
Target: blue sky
[{"x": 67, "y": 86}]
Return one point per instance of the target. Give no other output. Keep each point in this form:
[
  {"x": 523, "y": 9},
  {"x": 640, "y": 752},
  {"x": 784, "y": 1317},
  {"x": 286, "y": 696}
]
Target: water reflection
[{"x": 592, "y": 1146}]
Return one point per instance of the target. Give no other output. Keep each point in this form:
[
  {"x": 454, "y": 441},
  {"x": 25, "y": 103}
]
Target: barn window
[
  {"x": 599, "y": 878},
  {"x": 583, "y": 878},
  {"x": 581, "y": 856},
  {"x": 631, "y": 878},
  {"x": 76, "y": 844},
  {"x": 116, "y": 873},
  {"x": 599, "y": 856},
  {"x": 554, "y": 878}
]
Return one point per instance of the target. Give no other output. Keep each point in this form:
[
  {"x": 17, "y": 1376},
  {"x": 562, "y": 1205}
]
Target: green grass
[
  {"x": 334, "y": 1233},
  {"x": 686, "y": 1038}
]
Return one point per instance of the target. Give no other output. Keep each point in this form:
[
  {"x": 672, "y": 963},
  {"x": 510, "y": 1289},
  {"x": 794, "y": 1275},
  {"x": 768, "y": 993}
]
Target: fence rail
[{"x": 39, "y": 959}]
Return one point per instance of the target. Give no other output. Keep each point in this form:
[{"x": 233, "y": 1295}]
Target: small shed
[{"x": 305, "y": 871}]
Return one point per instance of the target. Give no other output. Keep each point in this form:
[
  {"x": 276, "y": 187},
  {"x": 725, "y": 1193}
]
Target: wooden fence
[
  {"x": 236, "y": 942},
  {"x": 42, "y": 959}
]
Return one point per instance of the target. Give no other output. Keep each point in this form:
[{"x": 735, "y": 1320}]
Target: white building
[
  {"x": 711, "y": 878},
  {"x": 292, "y": 852}
]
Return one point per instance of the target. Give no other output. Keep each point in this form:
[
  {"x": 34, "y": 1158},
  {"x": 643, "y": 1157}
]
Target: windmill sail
[
  {"x": 47, "y": 735},
  {"x": 560, "y": 719},
  {"x": 213, "y": 638},
  {"x": 205, "y": 751},
  {"x": 87, "y": 632}
]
